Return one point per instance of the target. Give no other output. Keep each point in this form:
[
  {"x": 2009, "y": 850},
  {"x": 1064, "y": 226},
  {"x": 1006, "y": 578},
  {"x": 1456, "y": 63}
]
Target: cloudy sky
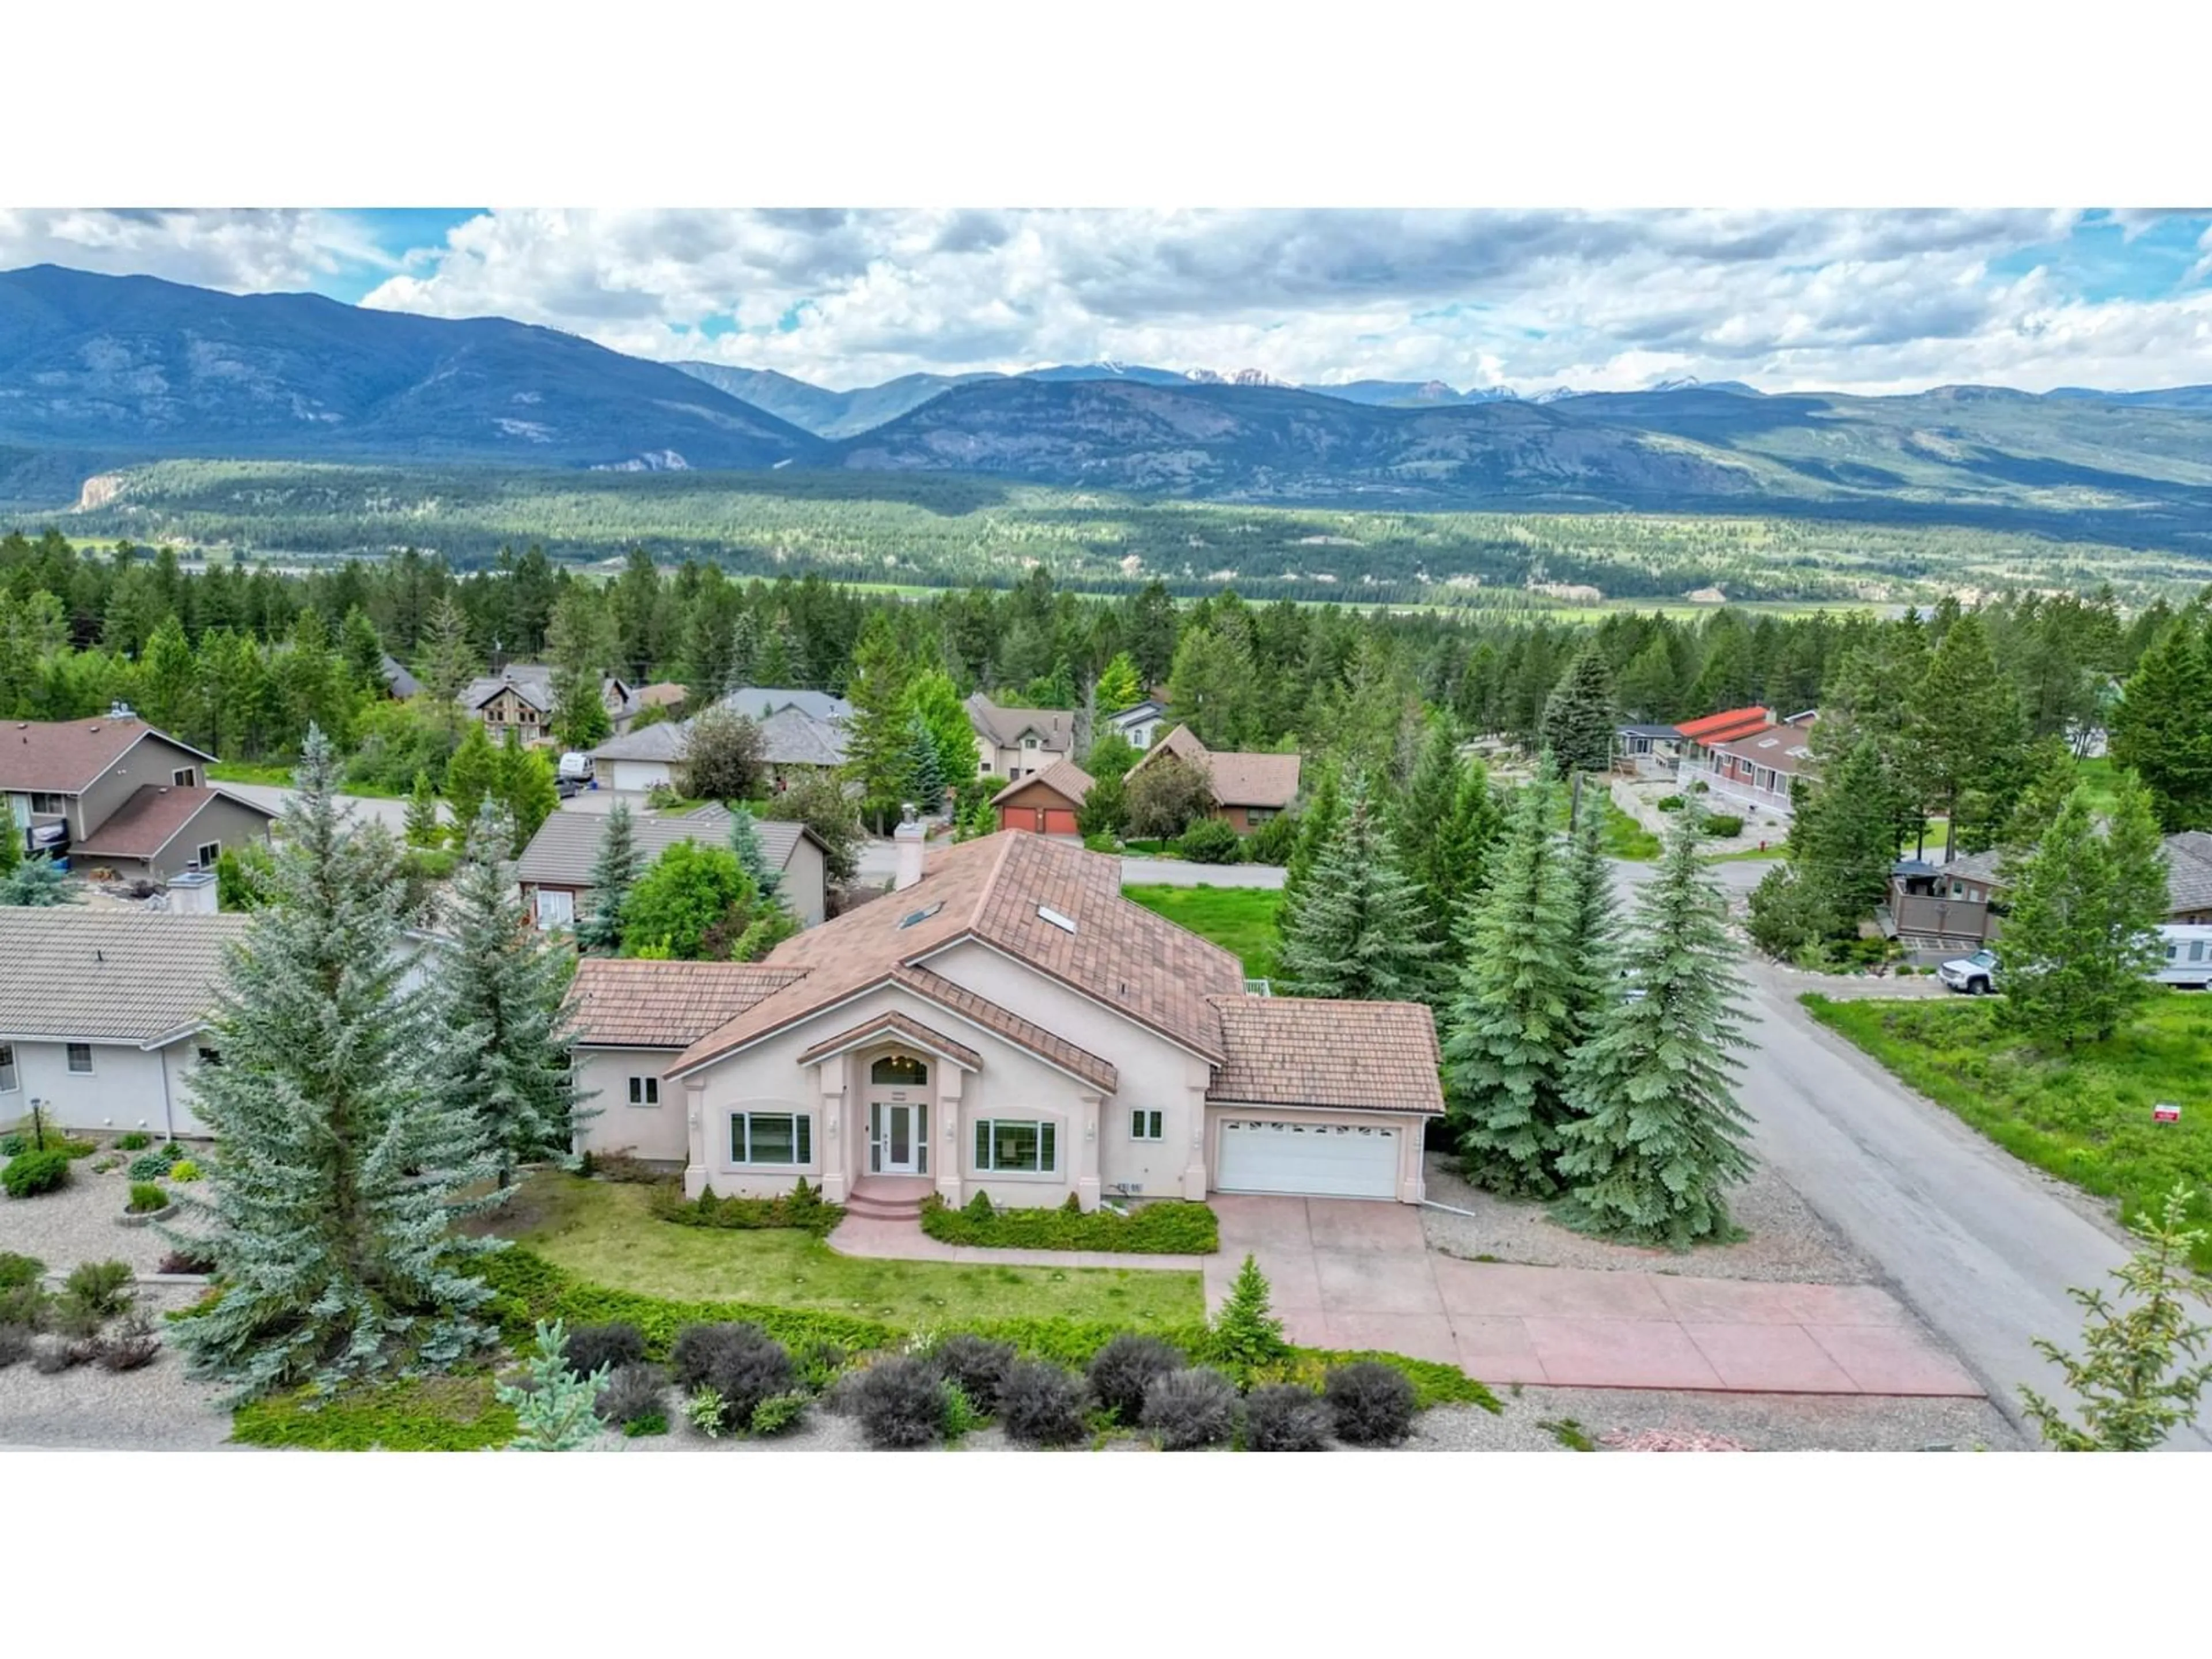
[{"x": 1863, "y": 301}]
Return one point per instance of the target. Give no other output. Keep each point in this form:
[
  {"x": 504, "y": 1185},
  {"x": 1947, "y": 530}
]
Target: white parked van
[{"x": 2188, "y": 956}]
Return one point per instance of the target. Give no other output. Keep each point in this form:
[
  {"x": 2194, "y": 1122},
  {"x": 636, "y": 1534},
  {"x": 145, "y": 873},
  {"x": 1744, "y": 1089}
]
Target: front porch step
[
  {"x": 877, "y": 1210},
  {"x": 889, "y": 1198}
]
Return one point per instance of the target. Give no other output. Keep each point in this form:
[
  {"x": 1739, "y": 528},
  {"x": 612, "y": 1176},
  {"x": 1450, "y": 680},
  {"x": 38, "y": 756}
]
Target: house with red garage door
[
  {"x": 1006, "y": 1022},
  {"x": 1046, "y": 802}
]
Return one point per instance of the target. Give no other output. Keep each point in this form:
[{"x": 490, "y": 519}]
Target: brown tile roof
[
  {"x": 992, "y": 890},
  {"x": 74, "y": 975},
  {"x": 1063, "y": 777},
  {"x": 1299, "y": 1051},
  {"x": 1240, "y": 778},
  {"x": 1056, "y": 727},
  {"x": 1022, "y": 1033},
  {"x": 1719, "y": 728},
  {"x": 65, "y": 757},
  {"x": 156, "y": 815},
  {"x": 892, "y": 1023},
  {"x": 619, "y": 1004}
]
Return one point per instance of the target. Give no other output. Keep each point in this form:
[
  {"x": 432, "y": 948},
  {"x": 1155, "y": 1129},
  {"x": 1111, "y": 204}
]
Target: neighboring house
[
  {"x": 555, "y": 870},
  {"x": 1004, "y": 1023},
  {"x": 104, "y": 1013},
  {"x": 1958, "y": 906},
  {"x": 797, "y": 744},
  {"x": 520, "y": 699},
  {"x": 1647, "y": 750},
  {"x": 115, "y": 793},
  {"x": 101, "y": 1011},
  {"x": 1046, "y": 803},
  {"x": 1140, "y": 723},
  {"x": 757, "y": 702},
  {"x": 1700, "y": 736},
  {"x": 1248, "y": 789},
  {"x": 1012, "y": 742},
  {"x": 642, "y": 759},
  {"x": 398, "y": 681},
  {"x": 1756, "y": 771},
  {"x": 794, "y": 745},
  {"x": 661, "y": 694}
]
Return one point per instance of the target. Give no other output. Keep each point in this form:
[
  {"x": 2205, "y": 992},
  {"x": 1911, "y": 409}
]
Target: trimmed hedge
[
  {"x": 1165, "y": 1227},
  {"x": 802, "y": 1208},
  {"x": 1720, "y": 825},
  {"x": 29, "y": 1174},
  {"x": 530, "y": 1288},
  {"x": 443, "y": 1413}
]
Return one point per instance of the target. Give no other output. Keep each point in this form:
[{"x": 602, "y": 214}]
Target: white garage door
[
  {"x": 1318, "y": 1160},
  {"x": 636, "y": 774}
]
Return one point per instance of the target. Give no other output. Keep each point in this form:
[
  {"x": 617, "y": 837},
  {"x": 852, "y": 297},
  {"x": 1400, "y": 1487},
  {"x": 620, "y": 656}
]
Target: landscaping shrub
[
  {"x": 1190, "y": 1408},
  {"x": 73, "y": 1150},
  {"x": 1042, "y": 1405},
  {"x": 802, "y": 1208},
  {"x": 152, "y": 1166},
  {"x": 651, "y": 1424},
  {"x": 1125, "y": 1368},
  {"x": 978, "y": 1207},
  {"x": 1273, "y": 841},
  {"x": 1721, "y": 825},
  {"x": 1669, "y": 803},
  {"x": 900, "y": 1403},
  {"x": 1212, "y": 840},
  {"x": 632, "y": 1391},
  {"x": 707, "y": 1411},
  {"x": 1101, "y": 842},
  {"x": 184, "y": 1170},
  {"x": 29, "y": 1174},
  {"x": 741, "y": 1363},
  {"x": 102, "y": 1286},
  {"x": 136, "y": 1141},
  {"x": 16, "y": 1270},
  {"x": 25, "y": 1306},
  {"x": 15, "y": 1344},
  {"x": 616, "y": 1346},
  {"x": 1245, "y": 1333},
  {"x": 188, "y": 1261},
  {"x": 1165, "y": 1227},
  {"x": 779, "y": 1412},
  {"x": 1285, "y": 1417},
  {"x": 12, "y": 1142},
  {"x": 1372, "y": 1403},
  {"x": 820, "y": 1364},
  {"x": 131, "y": 1345},
  {"x": 146, "y": 1197},
  {"x": 52, "y": 1358},
  {"x": 977, "y": 1367},
  {"x": 961, "y": 1417}
]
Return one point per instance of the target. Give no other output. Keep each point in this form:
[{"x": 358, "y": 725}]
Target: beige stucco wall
[
  {"x": 1412, "y": 1187},
  {"x": 656, "y": 1132},
  {"x": 804, "y": 878},
  {"x": 128, "y": 1088},
  {"x": 1154, "y": 1074}
]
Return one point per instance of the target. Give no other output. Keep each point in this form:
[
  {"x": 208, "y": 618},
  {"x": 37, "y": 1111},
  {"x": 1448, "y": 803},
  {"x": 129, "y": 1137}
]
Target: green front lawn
[
  {"x": 1625, "y": 838},
  {"x": 603, "y": 1232},
  {"x": 2084, "y": 1116},
  {"x": 1237, "y": 918}
]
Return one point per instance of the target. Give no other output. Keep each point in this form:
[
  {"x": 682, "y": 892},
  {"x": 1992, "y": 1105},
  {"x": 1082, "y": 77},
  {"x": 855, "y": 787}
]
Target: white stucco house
[{"x": 1004, "y": 1021}]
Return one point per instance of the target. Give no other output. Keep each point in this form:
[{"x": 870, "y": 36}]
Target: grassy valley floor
[{"x": 2084, "y": 1116}]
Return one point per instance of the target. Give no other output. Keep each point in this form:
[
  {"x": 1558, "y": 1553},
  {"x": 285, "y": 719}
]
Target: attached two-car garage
[{"x": 1307, "y": 1159}]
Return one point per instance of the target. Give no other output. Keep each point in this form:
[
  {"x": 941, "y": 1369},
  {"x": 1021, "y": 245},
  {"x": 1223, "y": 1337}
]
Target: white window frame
[
  {"x": 76, "y": 1070},
  {"x": 208, "y": 852},
  {"x": 11, "y": 1077},
  {"x": 802, "y": 1141},
  {"x": 563, "y": 900},
  {"x": 1147, "y": 1124},
  {"x": 185, "y": 777},
  {"x": 987, "y": 1137},
  {"x": 55, "y": 806},
  {"x": 645, "y": 1091}
]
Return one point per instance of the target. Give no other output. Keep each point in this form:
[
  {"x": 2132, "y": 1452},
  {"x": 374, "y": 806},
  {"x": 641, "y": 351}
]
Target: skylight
[
  {"x": 922, "y": 914},
  {"x": 1065, "y": 924}
]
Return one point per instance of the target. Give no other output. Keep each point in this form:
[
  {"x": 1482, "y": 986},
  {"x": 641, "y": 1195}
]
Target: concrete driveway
[{"x": 1348, "y": 1273}]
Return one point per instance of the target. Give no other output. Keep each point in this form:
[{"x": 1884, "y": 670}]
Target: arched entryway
[{"x": 897, "y": 1114}]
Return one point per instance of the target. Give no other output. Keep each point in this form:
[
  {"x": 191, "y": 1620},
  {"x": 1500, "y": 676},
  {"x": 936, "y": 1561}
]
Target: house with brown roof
[
  {"x": 115, "y": 793},
  {"x": 1012, "y": 742},
  {"x": 1249, "y": 788},
  {"x": 1753, "y": 771},
  {"x": 1046, "y": 802},
  {"x": 1003, "y": 1022}
]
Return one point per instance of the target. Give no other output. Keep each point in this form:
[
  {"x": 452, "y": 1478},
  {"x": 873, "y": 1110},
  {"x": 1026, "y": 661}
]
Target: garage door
[{"x": 1317, "y": 1160}]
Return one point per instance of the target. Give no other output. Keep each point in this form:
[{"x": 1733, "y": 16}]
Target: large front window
[
  {"x": 784, "y": 1138},
  {"x": 1017, "y": 1146}
]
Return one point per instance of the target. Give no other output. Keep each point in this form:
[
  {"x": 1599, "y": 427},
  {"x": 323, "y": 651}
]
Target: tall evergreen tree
[
  {"x": 585, "y": 643},
  {"x": 1579, "y": 715},
  {"x": 924, "y": 782},
  {"x": 1119, "y": 685},
  {"x": 499, "y": 992},
  {"x": 524, "y": 786},
  {"x": 2082, "y": 938},
  {"x": 1969, "y": 734},
  {"x": 338, "y": 1167},
  {"x": 446, "y": 661},
  {"x": 1317, "y": 825},
  {"x": 1844, "y": 835},
  {"x": 1510, "y": 1025},
  {"x": 1360, "y": 930},
  {"x": 2162, "y": 725},
  {"x": 1591, "y": 908},
  {"x": 1655, "y": 1134},
  {"x": 471, "y": 775},
  {"x": 599, "y": 931},
  {"x": 877, "y": 752},
  {"x": 423, "y": 829},
  {"x": 745, "y": 842}
]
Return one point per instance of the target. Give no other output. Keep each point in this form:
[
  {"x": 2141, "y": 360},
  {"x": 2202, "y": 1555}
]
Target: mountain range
[{"x": 99, "y": 373}]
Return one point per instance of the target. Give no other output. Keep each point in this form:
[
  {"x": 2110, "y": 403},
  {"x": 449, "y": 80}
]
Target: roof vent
[{"x": 1065, "y": 924}]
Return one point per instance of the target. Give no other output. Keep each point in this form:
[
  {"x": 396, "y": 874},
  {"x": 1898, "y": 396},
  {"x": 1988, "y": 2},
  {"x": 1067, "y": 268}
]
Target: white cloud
[{"x": 238, "y": 250}]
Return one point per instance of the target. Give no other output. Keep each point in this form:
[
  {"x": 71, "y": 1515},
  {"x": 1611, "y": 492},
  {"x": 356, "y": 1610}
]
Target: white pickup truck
[{"x": 1976, "y": 974}]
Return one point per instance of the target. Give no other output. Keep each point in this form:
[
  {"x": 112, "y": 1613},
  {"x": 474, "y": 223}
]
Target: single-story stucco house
[
  {"x": 555, "y": 870},
  {"x": 1002, "y": 1022}
]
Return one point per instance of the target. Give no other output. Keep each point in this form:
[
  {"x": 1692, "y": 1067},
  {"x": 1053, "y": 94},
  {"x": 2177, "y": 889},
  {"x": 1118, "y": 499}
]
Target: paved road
[
  {"x": 368, "y": 810},
  {"x": 1175, "y": 872},
  {"x": 1983, "y": 1246}
]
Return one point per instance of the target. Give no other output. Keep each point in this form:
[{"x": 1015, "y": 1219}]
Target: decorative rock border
[{"x": 146, "y": 1218}]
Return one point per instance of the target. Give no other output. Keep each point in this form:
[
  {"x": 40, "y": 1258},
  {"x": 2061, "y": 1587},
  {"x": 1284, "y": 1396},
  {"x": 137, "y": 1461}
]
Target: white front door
[
  {"x": 1315, "y": 1160},
  {"x": 898, "y": 1138}
]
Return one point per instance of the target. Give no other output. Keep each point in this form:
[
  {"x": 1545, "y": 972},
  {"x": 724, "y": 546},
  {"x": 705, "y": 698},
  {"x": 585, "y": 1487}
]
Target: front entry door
[{"x": 897, "y": 1134}]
